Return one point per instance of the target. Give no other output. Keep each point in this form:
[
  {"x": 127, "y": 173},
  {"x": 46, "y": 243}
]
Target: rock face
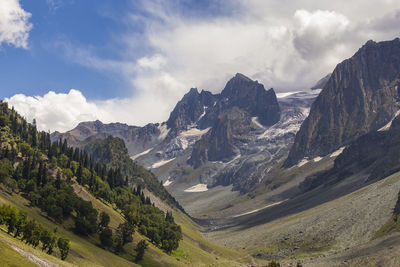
[
  {"x": 236, "y": 136},
  {"x": 230, "y": 118},
  {"x": 322, "y": 82},
  {"x": 376, "y": 151},
  {"x": 189, "y": 110},
  {"x": 219, "y": 143},
  {"x": 137, "y": 139},
  {"x": 361, "y": 96},
  {"x": 373, "y": 156},
  {"x": 247, "y": 95}
]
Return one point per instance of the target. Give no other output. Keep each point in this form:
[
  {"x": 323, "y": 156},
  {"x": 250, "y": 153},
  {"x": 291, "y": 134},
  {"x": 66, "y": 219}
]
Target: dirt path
[{"x": 35, "y": 259}]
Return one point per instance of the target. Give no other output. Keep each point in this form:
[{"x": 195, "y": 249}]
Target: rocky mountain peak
[
  {"x": 361, "y": 96},
  {"x": 189, "y": 110},
  {"x": 252, "y": 97}
]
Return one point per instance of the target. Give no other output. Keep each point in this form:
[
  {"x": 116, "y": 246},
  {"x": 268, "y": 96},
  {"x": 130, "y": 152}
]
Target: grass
[
  {"x": 9, "y": 254},
  {"x": 83, "y": 252},
  {"x": 10, "y": 257},
  {"x": 391, "y": 226},
  {"x": 194, "y": 250}
]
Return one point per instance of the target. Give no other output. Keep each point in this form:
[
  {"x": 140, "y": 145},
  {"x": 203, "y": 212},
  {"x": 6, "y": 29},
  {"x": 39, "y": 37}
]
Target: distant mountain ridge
[
  {"x": 205, "y": 128},
  {"x": 361, "y": 96}
]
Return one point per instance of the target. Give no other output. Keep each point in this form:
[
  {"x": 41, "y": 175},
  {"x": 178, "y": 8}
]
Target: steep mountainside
[
  {"x": 375, "y": 155},
  {"x": 189, "y": 110},
  {"x": 137, "y": 139},
  {"x": 361, "y": 96},
  {"x": 322, "y": 82},
  {"x": 218, "y": 143},
  {"x": 220, "y": 123},
  {"x": 113, "y": 153},
  {"x": 248, "y": 95}
]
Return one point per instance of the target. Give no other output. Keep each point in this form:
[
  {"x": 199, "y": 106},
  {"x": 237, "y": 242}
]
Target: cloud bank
[
  {"x": 62, "y": 112},
  {"x": 14, "y": 24},
  {"x": 288, "y": 45}
]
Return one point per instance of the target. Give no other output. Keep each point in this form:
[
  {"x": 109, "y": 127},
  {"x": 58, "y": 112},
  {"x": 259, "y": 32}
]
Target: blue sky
[
  {"x": 92, "y": 24},
  {"x": 64, "y": 61},
  {"x": 43, "y": 66}
]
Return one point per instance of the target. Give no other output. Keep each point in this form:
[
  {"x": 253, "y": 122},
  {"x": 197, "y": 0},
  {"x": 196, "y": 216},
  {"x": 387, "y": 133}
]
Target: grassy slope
[
  {"x": 9, "y": 256},
  {"x": 194, "y": 250},
  {"x": 83, "y": 252}
]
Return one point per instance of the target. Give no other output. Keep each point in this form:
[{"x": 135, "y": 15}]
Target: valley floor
[{"x": 337, "y": 232}]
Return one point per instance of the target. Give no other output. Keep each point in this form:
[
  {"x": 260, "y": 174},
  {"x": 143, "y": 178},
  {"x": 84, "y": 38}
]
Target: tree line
[
  {"x": 31, "y": 232},
  {"x": 43, "y": 172}
]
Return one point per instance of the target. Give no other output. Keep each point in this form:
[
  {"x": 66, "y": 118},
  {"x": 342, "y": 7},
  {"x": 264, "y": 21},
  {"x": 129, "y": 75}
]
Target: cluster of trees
[
  {"x": 31, "y": 232},
  {"x": 113, "y": 153},
  {"x": 43, "y": 172}
]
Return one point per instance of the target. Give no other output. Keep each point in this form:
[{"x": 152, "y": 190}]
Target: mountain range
[{"x": 299, "y": 175}]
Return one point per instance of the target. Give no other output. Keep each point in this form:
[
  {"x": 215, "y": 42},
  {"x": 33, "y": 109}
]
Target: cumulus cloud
[
  {"x": 63, "y": 111},
  {"x": 55, "y": 111},
  {"x": 14, "y": 24},
  {"x": 286, "y": 44}
]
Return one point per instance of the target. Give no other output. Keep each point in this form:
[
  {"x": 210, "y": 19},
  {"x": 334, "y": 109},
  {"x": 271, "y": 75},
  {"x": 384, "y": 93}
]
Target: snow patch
[
  {"x": 235, "y": 158},
  {"x": 282, "y": 95},
  {"x": 197, "y": 188},
  {"x": 387, "y": 126},
  {"x": 287, "y": 124},
  {"x": 317, "y": 159},
  {"x": 204, "y": 113},
  {"x": 141, "y": 154},
  {"x": 194, "y": 132},
  {"x": 163, "y": 131},
  {"x": 256, "y": 122},
  {"x": 337, "y": 152},
  {"x": 302, "y": 162},
  {"x": 161, "y": 163},
  {"x": 253, "y": 211},
  {"x": 167, "y": 182}
]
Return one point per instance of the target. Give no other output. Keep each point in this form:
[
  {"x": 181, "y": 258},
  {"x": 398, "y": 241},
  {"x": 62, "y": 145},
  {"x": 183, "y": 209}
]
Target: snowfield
[
  {"x": 256, "y": 122},
  {"x": 387, "y": 126},
  {"x": 194, "y": 132},
  {"x": 337, "y": 152},
  {"x": 302, "y": 162},
  {"x": 141, "y": 154},
  {"x": 163, "y": 131},
  {"x": 167, "y": 182},
  {"x": 161, "y": 163},
  {"x": 197, "y": 188}
]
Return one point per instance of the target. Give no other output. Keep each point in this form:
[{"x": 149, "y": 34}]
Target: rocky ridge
[{"x": 361, "y": 96}]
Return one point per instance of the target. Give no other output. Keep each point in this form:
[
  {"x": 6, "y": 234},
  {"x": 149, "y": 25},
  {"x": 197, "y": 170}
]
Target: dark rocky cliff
[
  {"x": 361, "y": 96},
  {"x": 231, "y": 115},
  {"x": 189, "y": 110}
]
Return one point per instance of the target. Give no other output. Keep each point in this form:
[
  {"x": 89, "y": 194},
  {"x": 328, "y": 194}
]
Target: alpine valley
[
  {"x": 309, "y": 177},
  {"x": 244, "y": 177}
]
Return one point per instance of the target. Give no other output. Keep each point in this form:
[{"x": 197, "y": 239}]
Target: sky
[{"x": 130, "y": 61}]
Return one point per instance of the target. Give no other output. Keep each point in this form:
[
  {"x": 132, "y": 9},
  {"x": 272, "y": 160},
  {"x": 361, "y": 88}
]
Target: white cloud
[
  {"x": 55, "y": 111},
  {"x": 14, "y": 24},
  {"x": 62, "y": 112},
  {"x": 318, "y": 32},
  {"x": 155, "y": 62},
  {"x": 285, "y": 44}
]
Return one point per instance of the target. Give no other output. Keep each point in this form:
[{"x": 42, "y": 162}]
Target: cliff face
[
  {"x": 219, "y": 143},
  {"x": 361, "y": 96},
  {"x": 231, "y": 115},
  {"x": 137, "y": 139},
  {"x": 251, "y": 96},
  {"x": 248, "y": 95},
  {"x": 189, "y": 110}
]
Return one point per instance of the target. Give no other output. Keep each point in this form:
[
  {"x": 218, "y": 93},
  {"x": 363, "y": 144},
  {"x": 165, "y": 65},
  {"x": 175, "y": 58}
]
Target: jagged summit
[{"x": 361, "y": 96}]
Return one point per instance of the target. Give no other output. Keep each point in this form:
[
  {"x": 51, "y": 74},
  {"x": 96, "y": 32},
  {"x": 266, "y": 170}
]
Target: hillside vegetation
[{"x": 91, "y": 205}]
